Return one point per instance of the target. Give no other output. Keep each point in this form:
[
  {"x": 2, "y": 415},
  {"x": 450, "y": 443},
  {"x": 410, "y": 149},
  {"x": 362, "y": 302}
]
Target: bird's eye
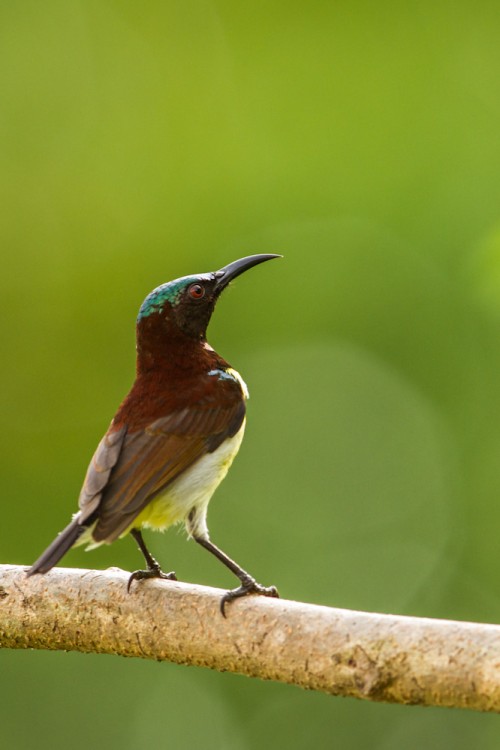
[{"x": 196, "y": 291}]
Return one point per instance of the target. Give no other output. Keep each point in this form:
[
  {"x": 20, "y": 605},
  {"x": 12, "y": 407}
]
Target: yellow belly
[{"x": 192, "y": 490}]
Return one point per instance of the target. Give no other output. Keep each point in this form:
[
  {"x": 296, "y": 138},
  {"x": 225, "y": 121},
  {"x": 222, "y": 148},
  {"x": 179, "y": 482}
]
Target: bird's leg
[
  {"x": 153, "y": 569},
  {"x": 248, "y": 583}
]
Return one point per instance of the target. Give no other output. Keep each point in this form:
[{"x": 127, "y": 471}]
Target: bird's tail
[{"x": 58, "y": 548}]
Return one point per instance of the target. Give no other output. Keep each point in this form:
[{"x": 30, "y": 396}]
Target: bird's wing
[
  {"x": 149, "y": 459},
  {"x": 103, "y": 461}
]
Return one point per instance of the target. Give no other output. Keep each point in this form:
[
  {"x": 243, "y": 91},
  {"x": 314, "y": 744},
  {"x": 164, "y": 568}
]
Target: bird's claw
[
  {"x": 248, "y": 586},
  {"x": 154, "y": 572}
]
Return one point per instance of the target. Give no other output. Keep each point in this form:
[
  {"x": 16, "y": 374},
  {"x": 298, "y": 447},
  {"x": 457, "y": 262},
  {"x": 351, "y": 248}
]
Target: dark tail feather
[{"x": 58, "y": 548}]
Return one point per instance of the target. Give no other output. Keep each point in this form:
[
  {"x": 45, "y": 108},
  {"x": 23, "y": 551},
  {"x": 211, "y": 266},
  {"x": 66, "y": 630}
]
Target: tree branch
[{"x": 341, "y": 652}]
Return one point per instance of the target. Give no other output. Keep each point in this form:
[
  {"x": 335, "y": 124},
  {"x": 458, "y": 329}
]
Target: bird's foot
[
  {"x": 248, "y": 586},
  {"x": 153, "y": 572}
]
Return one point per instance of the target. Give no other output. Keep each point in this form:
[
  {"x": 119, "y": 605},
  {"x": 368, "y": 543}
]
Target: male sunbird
[{"x": 173, "y": 438}]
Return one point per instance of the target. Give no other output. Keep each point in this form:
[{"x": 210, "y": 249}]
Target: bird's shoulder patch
[{"x": 229, "y": 373}]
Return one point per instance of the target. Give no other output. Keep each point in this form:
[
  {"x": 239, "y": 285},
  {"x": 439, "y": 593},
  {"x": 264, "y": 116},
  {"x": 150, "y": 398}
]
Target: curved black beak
[{"x": 231, "y": 271}]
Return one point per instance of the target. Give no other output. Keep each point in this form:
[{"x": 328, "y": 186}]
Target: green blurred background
[{"x": 144, "y": 141}]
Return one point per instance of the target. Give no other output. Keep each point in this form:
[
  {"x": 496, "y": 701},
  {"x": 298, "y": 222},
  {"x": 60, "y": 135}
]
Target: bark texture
[{"x": 364, "y": 655}]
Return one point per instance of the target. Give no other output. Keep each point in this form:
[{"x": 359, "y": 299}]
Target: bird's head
[{"x": 185, "y": 305}]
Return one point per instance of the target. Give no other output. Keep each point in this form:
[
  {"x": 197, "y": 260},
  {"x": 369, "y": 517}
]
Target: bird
[{"x": 174, "y": 436}]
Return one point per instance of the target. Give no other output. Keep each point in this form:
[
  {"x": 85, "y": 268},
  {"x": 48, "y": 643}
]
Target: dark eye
[{"x": 196, "y": 291}]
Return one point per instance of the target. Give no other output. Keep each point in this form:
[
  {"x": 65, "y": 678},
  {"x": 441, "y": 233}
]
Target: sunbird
[{"x": 173, "y": 438}]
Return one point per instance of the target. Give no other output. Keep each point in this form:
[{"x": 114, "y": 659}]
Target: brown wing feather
[
  {"x": 154, "y": 456},
  {"x": 99, "y": 471}
]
